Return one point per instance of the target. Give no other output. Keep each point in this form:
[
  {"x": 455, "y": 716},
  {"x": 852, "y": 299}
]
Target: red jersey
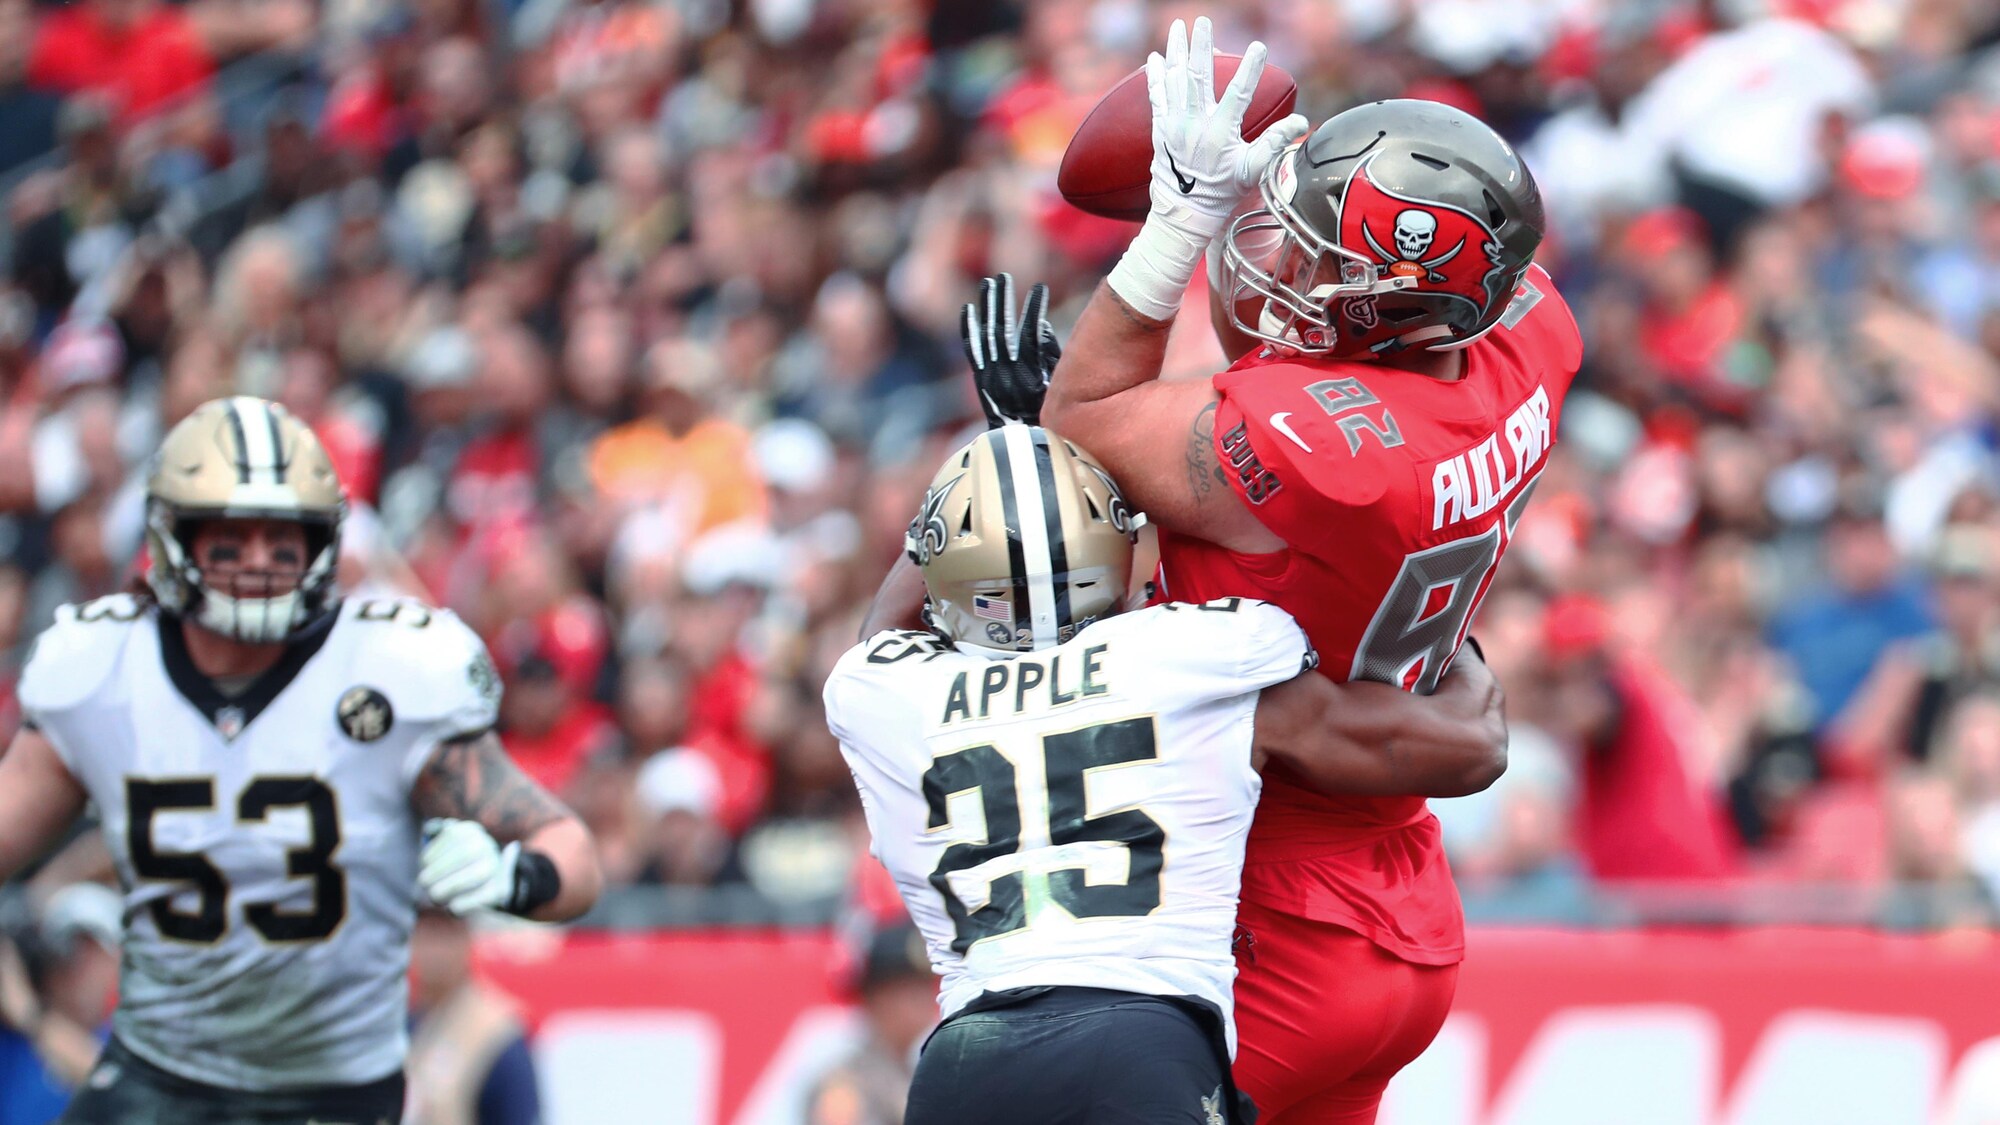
[{"x": 1396, "y": 494}]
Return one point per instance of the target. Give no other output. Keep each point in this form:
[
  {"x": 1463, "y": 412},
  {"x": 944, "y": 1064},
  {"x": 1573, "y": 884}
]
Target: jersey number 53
[{"x": 205, "y": 924}]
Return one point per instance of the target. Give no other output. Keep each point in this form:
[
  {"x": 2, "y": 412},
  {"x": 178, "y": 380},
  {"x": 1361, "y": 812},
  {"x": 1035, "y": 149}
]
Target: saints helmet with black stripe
[
  {"x": 242, "y": 458},
  {"x": 1023, "y": 539}
]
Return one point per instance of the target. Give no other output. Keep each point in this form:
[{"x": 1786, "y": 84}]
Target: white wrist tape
[{"x": 1153, "y": 275}]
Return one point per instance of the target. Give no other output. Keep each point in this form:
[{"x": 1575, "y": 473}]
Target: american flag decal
[{"x": 992, "y": 609}]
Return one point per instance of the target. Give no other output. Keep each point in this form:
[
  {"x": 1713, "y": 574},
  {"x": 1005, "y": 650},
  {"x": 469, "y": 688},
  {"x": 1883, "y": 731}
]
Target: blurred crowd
[{"x": 631, "y": 326}]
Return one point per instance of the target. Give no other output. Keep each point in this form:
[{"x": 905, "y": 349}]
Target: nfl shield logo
[{"x": 229, "y": 721}]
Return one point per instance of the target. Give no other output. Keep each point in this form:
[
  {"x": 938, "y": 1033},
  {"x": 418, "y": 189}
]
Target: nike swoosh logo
[
  {"x": 1278, "y": 424},
  {"x": 1186, "y": 182}
]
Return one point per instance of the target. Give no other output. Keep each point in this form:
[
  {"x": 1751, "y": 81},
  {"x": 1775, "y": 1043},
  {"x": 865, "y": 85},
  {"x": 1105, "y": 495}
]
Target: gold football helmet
[
  {"x": 1023, "y": 539},
  {"x": 242, "y": 458}
]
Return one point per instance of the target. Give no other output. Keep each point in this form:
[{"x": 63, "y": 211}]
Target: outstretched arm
[
  {"x": 1156, "y": 439},
  {"x": 1377, "y": 740},
  {"x": 476, "y": 789},
  {"x": 1105, "y": 394}
]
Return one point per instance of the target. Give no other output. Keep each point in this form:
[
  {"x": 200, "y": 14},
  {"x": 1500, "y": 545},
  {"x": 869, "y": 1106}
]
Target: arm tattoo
[
  {"x": 1203, "y": 473},
  {"x": 474, "y": 779}
]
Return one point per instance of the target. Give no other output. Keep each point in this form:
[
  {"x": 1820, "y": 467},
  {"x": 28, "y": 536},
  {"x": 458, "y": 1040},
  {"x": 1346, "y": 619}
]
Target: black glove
[{"x": 1011, "y": 360}]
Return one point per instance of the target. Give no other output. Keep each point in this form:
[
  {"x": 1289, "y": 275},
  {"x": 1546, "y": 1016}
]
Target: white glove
[
  {"x": 463, "y": 868},
  {"x": 1201, "y": 163},
  {"x": 1202, "y": 166}
]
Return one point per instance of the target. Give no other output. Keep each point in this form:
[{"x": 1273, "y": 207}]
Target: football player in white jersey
[
  {"x": 277, "y": 773},
  {"x": 1062, "y": 791}
]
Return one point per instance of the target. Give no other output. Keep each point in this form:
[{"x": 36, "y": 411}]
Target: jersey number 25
[{"x": 1066, "y": 757}]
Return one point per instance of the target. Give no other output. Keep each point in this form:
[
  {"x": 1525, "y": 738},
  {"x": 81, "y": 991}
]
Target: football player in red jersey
[{"x": 1400, "y": 370}]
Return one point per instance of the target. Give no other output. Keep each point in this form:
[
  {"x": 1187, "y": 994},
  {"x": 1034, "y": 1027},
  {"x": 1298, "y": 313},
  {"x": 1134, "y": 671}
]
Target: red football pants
[{"x": 1324, "y": 1018}]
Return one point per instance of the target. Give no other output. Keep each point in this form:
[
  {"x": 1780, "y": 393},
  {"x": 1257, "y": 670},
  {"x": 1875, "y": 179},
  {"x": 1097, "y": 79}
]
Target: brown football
[{"x": 1108, "y": 165}]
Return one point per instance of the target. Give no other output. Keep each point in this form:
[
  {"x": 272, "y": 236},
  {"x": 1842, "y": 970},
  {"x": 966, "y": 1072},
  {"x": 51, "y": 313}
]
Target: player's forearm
[
  {"x": 1114, "y": 349},
  {"x": 472, "y": 779},
  {"x": 568, "y": 846},
  {"x": 899, "y": 604},
  {"x": 1377, "y": 740}
]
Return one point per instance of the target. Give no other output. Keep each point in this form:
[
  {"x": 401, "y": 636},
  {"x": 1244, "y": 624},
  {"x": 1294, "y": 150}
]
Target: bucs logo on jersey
[{"x": 1448, "y": 251}]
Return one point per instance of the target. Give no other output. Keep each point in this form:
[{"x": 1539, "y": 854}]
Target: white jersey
[
  {"x": 266, "y": 842},
  {"x": 1073, "y": 816}
]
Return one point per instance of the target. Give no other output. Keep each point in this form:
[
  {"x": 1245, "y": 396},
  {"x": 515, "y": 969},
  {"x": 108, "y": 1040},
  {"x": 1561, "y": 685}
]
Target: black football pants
[
  {"x": 124, "y": 1089},
  {"x": 1075, "y": 1056}
]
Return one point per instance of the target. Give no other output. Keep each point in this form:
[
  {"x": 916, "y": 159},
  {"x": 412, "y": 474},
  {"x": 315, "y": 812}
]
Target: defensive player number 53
[
  {"x": 1067, "y": 757},
  {"x": 144, "y": 799}
]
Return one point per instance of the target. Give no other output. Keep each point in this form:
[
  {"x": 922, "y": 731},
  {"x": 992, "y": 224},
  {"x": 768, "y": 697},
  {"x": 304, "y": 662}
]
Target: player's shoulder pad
[
  {"x": 1285, "y": 424},
  {"x": 1214, "y": 634},
  {"x": 1538, "y": 306},
  {"x": 894, "y": 646},
  {"x": 877, "y": 662},
  {"x": 74, "y": 656},
  {"x": 428, "y": 661}
]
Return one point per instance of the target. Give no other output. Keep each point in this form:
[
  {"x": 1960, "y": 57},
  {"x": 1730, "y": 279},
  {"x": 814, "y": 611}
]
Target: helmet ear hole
[
  {"x": 185, "y": 532},
  {"x": 1496, "y": 216},
  {"x": 318, "y": 538}
]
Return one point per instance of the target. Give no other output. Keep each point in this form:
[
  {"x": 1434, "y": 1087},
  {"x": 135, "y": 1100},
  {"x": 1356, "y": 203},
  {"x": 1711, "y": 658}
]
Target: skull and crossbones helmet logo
[{"x": 1415, "y": 230}]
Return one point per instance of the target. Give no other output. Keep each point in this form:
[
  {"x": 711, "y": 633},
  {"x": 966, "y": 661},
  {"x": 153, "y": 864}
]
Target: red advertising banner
[{"x": 1752, "y": 1027}]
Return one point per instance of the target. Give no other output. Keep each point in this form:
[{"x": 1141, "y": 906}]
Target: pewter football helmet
[{"x": 1396, "y": 224}]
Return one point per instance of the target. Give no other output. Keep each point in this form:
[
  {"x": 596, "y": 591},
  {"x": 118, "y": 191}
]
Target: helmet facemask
[
  {"x": 288, "y": 602},
  {"x": 1301, "y": 276},
  {"x": 243, "y": 458}
]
